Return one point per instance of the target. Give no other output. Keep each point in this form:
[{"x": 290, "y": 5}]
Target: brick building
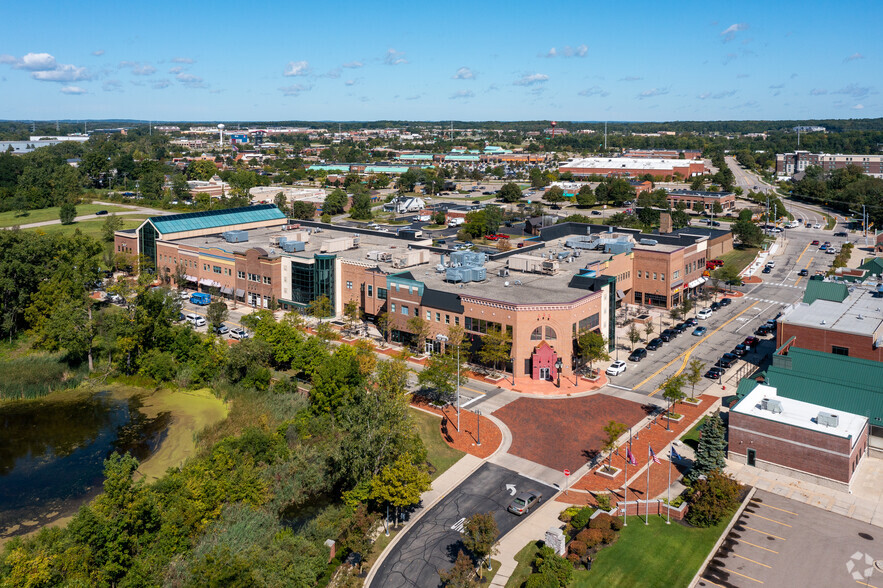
[
  {"x": 836, "y": 318},
  {"x": 727, "y": 200},
  {"x": 632, "y": 167},
  {"x": 789, "y": 164},
  {"x": 799, "y": 439}
]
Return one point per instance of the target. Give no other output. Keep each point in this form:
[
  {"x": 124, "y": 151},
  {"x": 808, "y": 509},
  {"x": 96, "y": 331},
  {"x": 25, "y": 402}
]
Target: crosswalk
[{"x": 765, "y": 300}]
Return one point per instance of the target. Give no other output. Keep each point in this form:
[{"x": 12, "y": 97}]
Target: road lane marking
[
  {"x": 462, "y": 387},
  {"x": 758, "y": 546},
  {"x": 704, "y": 579},
  {"x": 806, "y": 268},
  {"x": 686, "y": 354},
  {"x": 765, "y": 533},
  {"x": 776, "y": 508},
  {"x": 801, "y": 254},
  {"x": 752, "y": 561},
  {"x": 754, "y": 514}
]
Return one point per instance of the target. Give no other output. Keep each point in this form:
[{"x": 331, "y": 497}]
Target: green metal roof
[
  {"x": 462, "y": 158},
  {"x": 874, "y": 266},
  {"x": 835, "y": 381},
  {"x": 388, "y": 169},
  {"x": 416, "y": 156},
  {"x": 336, "y": 168},
  {"x": 215, "y": 219},
  {"x": 818, "y": 289}
]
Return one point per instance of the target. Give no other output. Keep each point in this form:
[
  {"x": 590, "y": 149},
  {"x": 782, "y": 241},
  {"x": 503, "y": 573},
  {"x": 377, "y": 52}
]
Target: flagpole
[
  {"x": 647, "y": 496},
  {"x": 625, "y": 512},
  {"x": 668, "y": 510}
]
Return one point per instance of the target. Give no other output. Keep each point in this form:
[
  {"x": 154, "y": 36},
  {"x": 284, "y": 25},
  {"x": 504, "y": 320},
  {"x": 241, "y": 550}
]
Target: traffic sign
[{"x": 566, "y": 472}]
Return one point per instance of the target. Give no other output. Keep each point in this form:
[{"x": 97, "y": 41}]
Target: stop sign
[{"x": 566, "y": 472}]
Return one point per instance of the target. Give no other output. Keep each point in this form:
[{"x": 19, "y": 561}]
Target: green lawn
[
  {"x": 438, "y": 453},
  {"x": 93, "y": 228},
  {"x": 661, "y": 555},
  {"x": 525, "y": 559},
  {"x": 740, "y": 257},
  {"x": 691, "y": 437},
  {"x": 831, "y": 222},
  {"x": 12, "y": 218}
]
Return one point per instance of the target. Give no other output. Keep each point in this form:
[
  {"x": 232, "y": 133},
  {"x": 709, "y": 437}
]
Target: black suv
[
  {"x": 726, "y": 301},
  {"x": 727, "y": 360},
  {"x": 668, "y": 334},
  {"x": 740, "y": 350},
  {"x": 638, "y": 354},
  {"x": 715, "y": 306},
  {"x": 679, "y": 328},
  {"x": 655, "y": 344}
]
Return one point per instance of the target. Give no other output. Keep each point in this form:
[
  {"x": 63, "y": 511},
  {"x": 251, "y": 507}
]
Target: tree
[
  {"x": 634, "y": 335},
  {"x": 479, "y": 536},
  {"x": 216, "y": 314},
  {"x": 495, "y": 347},
  {"x": 202, "y": 169},
  {"x": 614, "y": 431},
  {"x": 672, "y": 391},
  {"x": 649, "y": 327},
  {"x": 400, "y": 484},
  {"x": 281, "y": 202},
  {"x": 592, "y": 347},
  {"x": 385, "y": 325},
  {"x": 419, "y": 328},
  {"x": 510, "y": 192},
  {"x": 335, "y": 202},
  {"x": 361, "y": 209},
  {"x": 694, "y": 375},
  {"x": 352, "y": 313},
  {"x": 493, "y": 218},
  {"x": 712, "y": 499},
  {"x": 320, "y": 307},
  {"x": 461, "y": 575},
  {"x": 439, "y": 217},
  {"x": 302, "y": 210},
  {"x": 440, "y": 375},
  {"x": 716, "y": 208},
  {"x": 729, "y": 275},
  {"x": 748, "y": 233},
  {"x": 554, "y": 195},
  {"x": 585, "y": 197},
  {"x": 67, "y": 213},
  {"x": 711, "y": 453},
  {"x": 111, "y": 225},
  {"x": 686, "y": 305}
]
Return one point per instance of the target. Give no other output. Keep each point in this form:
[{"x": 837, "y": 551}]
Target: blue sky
[{"x": 444, "y": 60}]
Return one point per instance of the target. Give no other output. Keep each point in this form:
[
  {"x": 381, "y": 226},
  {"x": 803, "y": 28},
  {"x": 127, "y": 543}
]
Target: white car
[
  {"x": 238, "y": 333},
  {"x": 616, "y": 368},
  {"x": 817, "y": 226},
  {"x": 703, "y": 314}
]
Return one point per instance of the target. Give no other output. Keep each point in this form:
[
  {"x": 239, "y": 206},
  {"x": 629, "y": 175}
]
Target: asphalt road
[
  {"x": 782, "y": 542},
  {"x": 432, "y": 543}
]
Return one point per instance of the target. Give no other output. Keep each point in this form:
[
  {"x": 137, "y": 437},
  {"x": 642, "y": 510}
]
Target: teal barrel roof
[{"x": 215, "y": 219}]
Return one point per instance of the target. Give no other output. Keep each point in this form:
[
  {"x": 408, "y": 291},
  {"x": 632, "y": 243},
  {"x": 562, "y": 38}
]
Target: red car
[
  {"x": 502, "y": 236},
  {"x": 751, "y": 342},
  {"x": 491, "y": 237},
  {"x": 815, "y": 242}
]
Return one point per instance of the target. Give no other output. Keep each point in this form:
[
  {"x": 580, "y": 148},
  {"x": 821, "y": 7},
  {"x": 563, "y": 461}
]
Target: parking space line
[
  {"x": 754, "y": 514},
  {"x": 865, "y": 584},
  {"x": 776, "y": 508},
  {"x": 743, "y": 575},
  {"x": 751, "y": 560},
  {"x": 765, "y": 533},
  {"x": 704, "y": 579},
  {"x": 758, "y": 546}
]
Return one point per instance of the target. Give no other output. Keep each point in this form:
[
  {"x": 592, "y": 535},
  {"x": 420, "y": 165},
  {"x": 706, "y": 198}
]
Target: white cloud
[
  {"x": 593, "y": 91},
  {"x": 464, "y": 73},
  {"x": 579, "y": 51},
  {"x": 652, "y": 93},
  {"x": 137, "y": 68},
  {"x": 183, "y": 60},
  {"x": 414, "y": 97},
  {"x": 8, "y": 59},
  {"x": 858, "y": 107},
  {"x": 729, "y": 33},
  {"x": 394, "y": 57},
  {"x": 466, "y": 94},
  {"x": 531, "y": 79},
  {"x": 161, "y": 84},
  {"x": 716, "y": 95},
  {"x": 854, "y": 57},
  {"x": 777, "y": 86},
  {"x": 818, "y": 92},
  {"x": 72, "y": 90},
  {"x": 98, "y": 52},
  {"x": 295, "y": 89},
  {"x": 190, "y": 80},
  {"x": 176, "y": 70},
  {"x": 296, "y": 68},
  {"x": 854, "y": 90},
  {"x": 37, "y": 62},
  {"x": 551, "y": 53},
  {"x": 333, "y": 74},
  {"x": 350, "y": 82},
  {"x": 631, "y": 79},
  {"x": 353, "y": 64},
  {"x": 112, "y": 86},
  {"x": 62, "y": 73}
]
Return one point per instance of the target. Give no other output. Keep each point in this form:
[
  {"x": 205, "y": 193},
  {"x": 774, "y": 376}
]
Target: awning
[
  {"x": 697, "y": 282},
  {"x": 677, "y": 284},
  {"x": 240, "y": 293},
  {"x": 190, "y": 278},
  {"x": 620, "y": 294},
  {"x": 205, "y": 282},
  {"x": 226, "y": 290}
]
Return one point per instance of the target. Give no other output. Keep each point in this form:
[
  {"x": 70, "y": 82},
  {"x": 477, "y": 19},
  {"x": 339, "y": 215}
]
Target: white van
[
  {"x": 703, "y": 314},
  {"x": 194, "y": 319}
]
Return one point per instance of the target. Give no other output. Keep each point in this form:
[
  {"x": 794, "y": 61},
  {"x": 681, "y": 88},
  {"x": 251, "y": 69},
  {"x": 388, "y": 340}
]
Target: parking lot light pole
[
  {"x": 478, "y": 419},
  {"x": 558, "y": 365}
]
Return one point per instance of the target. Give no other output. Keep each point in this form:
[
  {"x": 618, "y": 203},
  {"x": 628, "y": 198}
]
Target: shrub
[
  {"x": 608, "y": 536},
  {"x": 592, "y": 537},
  {"x": 602, "y": 521},
  {"x": 577, "y": 547},
  {"x": 575, "y": 560},
  {"x": 603, "y": 501},
  {"x": 568, "y": 514},
  {"x": 712, "y": 499},
  {"x": 550, "y": 564},
  {"x": 159, "y": 365},
  {"x": 541, "y": 581},
  {"x": 581, "y": 518},
  {"x": 616, "y": 523}
]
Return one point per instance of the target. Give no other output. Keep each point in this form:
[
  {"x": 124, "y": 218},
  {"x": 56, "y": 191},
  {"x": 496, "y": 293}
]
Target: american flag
[{"x": 653, "y": 455}]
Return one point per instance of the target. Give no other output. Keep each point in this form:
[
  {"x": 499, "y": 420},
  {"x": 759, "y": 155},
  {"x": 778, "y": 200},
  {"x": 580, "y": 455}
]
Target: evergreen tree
[{"x": 712, "y": 451}]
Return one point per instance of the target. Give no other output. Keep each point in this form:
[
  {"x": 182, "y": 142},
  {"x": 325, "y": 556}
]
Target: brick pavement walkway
[{"x": 467, "y": 439}]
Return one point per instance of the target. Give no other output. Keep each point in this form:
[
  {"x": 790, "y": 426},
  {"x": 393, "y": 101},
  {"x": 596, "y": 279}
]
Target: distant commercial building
[
  {"x": 632, "y": 167},
  {"x": 836, "y": 318},
  {"x": 789, "y": 164},
  {"x": 727, "y": 200},
  {"x": 664, "y": 153}
]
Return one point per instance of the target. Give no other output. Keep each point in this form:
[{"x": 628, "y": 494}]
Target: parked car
[
  {"x": 222, "y": 329},
  {"x": 726, "y": 301},
  {"x": 668, "y": 334},
  {"x": 817, "y": 226},
  {"x": 679, "y": 328},
  {"x": 714, "y": 373},
  {"x": 238, "y": 333},
  {"x": 525, "y": 501},
  {"x": 103, "y": 212},
  {"x": 654, "y": 344},
  {"x": 491, "y": 237},
  {"x": 616, "y": 368},
  {"x": 727, "y": 360},
  {"x": 704, "y": 313},
  {"x": 194, "y": 319},
  {"x": 815, "y": 242},
  {"x": 715, "y": 306},
  {"x": 596, "y": 213},
  {"x": 763, "y": 330},
  {"x": 751, "y": 342},
  {"x": 638, "y": 354},
  {"x": 740, "y": 350},
  {"x": 699, "y": 331},
  {"x": 837, "y": 234},
  {"x": 691, "y": 322},
  {"x": 771, "y": 264},
  {"x": 803, "y": 272},
  {"x": 767, "y": 270}
]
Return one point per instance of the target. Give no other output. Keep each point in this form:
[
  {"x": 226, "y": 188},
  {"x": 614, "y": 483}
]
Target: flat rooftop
[
  {"x": 861, "y": 313},
  {"x": 801, "y": 414},
  {"x": 627, "y": 163}
]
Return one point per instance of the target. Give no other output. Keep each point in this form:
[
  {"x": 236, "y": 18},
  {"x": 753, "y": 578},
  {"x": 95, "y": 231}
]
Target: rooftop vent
[
  {"x": 827, "y": 419},
  {"x": 771, "y": 404}
]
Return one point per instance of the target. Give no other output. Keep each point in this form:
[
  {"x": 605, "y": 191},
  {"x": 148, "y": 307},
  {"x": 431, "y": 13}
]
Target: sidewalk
[{"x": 531, "y": 529}]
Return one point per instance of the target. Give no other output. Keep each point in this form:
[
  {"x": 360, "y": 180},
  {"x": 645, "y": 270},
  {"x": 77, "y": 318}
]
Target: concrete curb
[{"x": 723, "y": 536}]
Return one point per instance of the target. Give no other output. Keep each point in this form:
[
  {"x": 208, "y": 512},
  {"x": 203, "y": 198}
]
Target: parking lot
[{"x": 781, "y": 542}]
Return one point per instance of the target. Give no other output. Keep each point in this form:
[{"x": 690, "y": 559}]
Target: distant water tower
[
  {"x": 221, "y": 137},
  {"x": 554, "y": 124}
]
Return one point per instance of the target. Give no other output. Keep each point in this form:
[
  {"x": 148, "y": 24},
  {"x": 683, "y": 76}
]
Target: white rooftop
[
  {"x": 800, "y": 414},
  {"x": 861, "y": 313},
  {"x": 626, "y": 162}
]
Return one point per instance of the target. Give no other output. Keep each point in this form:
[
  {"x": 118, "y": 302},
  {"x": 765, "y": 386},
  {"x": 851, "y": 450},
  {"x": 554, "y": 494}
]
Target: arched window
[
  {"x": 550, "y": 334},
  {"x": 537, "y": 334}
]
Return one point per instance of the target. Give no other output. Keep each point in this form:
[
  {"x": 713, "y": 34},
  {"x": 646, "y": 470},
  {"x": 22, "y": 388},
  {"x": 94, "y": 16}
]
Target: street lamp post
[
  {"x": 478, "y": 419},
  {"x": 558, "y": 365},
  {"x": 443, "y": 339}
]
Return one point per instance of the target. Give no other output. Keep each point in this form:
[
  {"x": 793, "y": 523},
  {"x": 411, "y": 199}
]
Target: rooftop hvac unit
[
  {"x": 292, "y": 246},
  {"x": 275, "y": 240},
  {"x": 478, "y": 274},
  {"x": 773, "y": 405},
  {"x": 650, "y": 242},
  {"x": 373, "y": 255},
  {"x": 827, "y": 419},
  {"x": 235, "y": 236},
  {"x": 454, "y": 275},
  {"x": 503, "y": 272}
]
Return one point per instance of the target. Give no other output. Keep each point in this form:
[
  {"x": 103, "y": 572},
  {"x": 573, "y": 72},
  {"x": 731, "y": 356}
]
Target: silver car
[{"x": 525, "y": 501}]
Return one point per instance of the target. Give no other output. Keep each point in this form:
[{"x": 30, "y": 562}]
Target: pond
[{"x": 52, "y": 453}]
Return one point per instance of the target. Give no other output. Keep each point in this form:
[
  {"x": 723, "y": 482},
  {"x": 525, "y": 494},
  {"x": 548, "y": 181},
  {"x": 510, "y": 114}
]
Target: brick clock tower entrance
[{"x": 542, "y": 362}]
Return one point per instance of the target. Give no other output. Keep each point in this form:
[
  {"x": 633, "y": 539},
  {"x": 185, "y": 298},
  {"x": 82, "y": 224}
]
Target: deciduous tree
[
  {"x": 479, "y": 536},
  {"x": 496, "y": 346}
]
